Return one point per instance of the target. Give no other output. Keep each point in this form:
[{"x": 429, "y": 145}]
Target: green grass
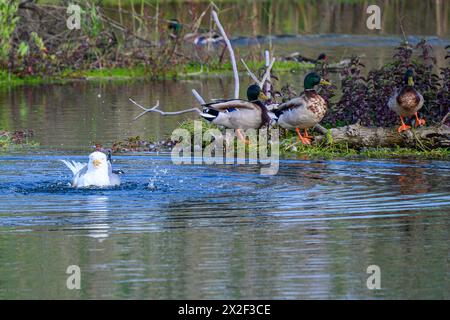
[
  {"x": 290, "y": 147},
  {"x": 116, "y": 73},
  {"x": 7, "y": 79},
  {"x": 191, "y": 70},
  {"x": 7, "y": 144}
]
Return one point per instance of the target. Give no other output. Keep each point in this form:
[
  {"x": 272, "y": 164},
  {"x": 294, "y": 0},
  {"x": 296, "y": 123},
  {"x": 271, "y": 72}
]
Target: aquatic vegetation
[
  {"x": 290, "y": 148},
  {"x": 289, "y": 145},
  {"x": 138, "y": 144},
  {"x": 16, "y": 139}
]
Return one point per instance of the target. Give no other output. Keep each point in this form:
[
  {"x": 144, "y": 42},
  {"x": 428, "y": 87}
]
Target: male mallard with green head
[
  {"x": 305, "y": 111},
  {"x": 407, "y": 101},
  {"x": 239, "y": 114}
]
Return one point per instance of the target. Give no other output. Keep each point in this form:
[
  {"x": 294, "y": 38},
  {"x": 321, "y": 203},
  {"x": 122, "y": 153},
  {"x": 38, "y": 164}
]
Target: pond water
[
  {"x": 197, "y": 231},
  {"x": 204, "y": 231}
]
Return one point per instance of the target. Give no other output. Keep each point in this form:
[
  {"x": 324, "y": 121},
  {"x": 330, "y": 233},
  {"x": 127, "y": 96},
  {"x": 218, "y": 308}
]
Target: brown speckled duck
[
  {"x": 305, "y": 111},
  {"x": 407, "y": 101}
]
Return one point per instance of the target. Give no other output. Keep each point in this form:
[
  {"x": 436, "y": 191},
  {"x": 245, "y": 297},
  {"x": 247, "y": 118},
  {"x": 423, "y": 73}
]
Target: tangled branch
[{"x": 155, "y": 109}]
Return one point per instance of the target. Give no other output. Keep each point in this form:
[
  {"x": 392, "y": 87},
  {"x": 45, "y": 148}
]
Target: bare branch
[
  {"x": 320, "y": 129},
  {"x": 155, "y": 109},
  {"x": 405, "y": 39},
  {"x": 267, "y": 74},
  {"x": 198, "y": 97},
  {"x": 267, "y": 86},
  {"x": 230, "y": 49},
  {"x": 445, "y": 118},
  {"x": 250, "y": 73}
]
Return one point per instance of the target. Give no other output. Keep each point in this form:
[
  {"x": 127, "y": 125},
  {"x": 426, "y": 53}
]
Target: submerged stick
[
  {"x": 230, "y": 49},
  {"x": 155, "y": 109}
]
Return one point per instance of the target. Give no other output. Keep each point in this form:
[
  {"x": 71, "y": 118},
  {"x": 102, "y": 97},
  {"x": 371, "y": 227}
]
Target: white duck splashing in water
[{"x": 98, "y": 172}]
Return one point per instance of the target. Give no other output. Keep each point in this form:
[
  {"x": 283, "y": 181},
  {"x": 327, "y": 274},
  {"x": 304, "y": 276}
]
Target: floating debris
[{"x": 137, "y": 144}]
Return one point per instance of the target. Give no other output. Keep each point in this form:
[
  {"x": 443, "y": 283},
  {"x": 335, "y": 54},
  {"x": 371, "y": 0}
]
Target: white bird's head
[{"x": 98, "y": 161}]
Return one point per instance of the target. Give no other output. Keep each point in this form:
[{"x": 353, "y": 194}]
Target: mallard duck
[
  {"x": 407, "y": 101},
  {"x": 174, "y": 26},
  {"x": 305, "y": 111},
  {"x": 239, "y": 114},
  {"x": 199, "y": 39},
  {"x": 296, "y": 56}
]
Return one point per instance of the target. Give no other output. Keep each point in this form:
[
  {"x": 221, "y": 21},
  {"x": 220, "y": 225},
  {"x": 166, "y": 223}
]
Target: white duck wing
[
  {"x": 74, "y": 166},
  {"x": 78, "y": 179}
]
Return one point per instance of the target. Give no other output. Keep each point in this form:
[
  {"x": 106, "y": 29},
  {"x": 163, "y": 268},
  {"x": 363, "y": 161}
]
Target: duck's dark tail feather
[
  {"x": 278, "y": 113},
  {"x": 209, "y": 114}
]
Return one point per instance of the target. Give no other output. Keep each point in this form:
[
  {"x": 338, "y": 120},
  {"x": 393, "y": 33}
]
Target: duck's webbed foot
[
  {"x": 307, "y": 135},
  {"x": 303, "y": 140},
  {"x": 403, "y": 127},
  {"x": 419, "y": 122}
]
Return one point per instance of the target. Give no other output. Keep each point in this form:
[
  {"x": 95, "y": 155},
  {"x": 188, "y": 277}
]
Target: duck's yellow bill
[
  {"x": 262, "y": 96},
  {"x": 325, "y": 82},
  {"x": 96, "y": 163}
]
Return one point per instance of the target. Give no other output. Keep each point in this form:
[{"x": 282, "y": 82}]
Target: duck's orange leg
[
  {"x": 403, "y": 127},
  {"x": 306, "y": 134},
  {"x": 302, "y": 139},
  {"x": 419, "y": 122},
  {"x": 241, "y": 136}
]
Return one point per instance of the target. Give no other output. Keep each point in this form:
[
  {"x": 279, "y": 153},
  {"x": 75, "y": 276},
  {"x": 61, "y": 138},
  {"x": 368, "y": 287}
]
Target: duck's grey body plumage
[{"x": 237, "y": 114}]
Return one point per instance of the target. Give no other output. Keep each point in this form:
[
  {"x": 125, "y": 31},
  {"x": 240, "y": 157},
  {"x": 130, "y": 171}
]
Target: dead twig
[
  {"x": 445, "y": 118},
  {"x": 250, "y": 73},
  {"x": 230, "y": 49},
  {"x": 155, "y": 109}
]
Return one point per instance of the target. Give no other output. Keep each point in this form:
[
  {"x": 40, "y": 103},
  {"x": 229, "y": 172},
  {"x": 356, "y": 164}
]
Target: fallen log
[{"x": 357, "y": 136}]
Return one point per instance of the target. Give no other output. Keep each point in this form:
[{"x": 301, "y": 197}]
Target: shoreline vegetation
[
  {"x": 154, "y": 48},
  {"x": 36, "y": 46},
  {"x": 189, "y": 71},
  {"x": 17, "y": 140},
  {"x": 290, "y": 147}
]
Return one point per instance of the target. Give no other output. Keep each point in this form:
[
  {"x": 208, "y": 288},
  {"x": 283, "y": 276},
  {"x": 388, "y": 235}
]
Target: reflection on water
[
  {"x": 98, "y": 206},
  {"x": 308, "y": 232}
]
